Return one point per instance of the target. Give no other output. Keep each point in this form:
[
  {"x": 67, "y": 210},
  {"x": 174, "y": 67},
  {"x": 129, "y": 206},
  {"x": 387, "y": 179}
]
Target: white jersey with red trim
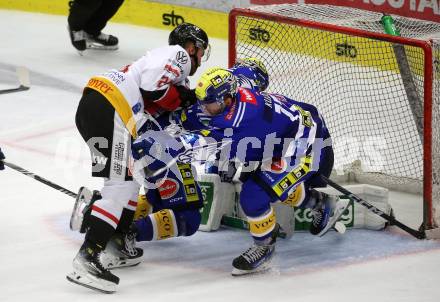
[{"x": 159, "y": 69}]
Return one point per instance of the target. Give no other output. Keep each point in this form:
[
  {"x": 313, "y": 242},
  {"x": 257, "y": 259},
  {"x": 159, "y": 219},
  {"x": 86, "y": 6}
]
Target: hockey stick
[
  {"x": 414, "y": 100},
  {"x": 39, "y": 178},
  {"x": 391, "y": 219},
  {"x": 23, "y": 78}
]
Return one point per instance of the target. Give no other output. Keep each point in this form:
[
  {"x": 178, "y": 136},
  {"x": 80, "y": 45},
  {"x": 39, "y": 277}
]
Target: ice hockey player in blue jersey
[{"x": 280, "y": 146}]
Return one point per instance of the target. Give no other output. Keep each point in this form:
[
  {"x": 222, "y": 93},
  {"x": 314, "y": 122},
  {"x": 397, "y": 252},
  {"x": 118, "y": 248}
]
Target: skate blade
[
  {"x": 259, "y": 270},
  {"x": 96, "y": 46},
  {"x": 122, "y": 264},
  {"x": 92, "y": 283},
  {"x": 112, "y": 262},
  {"x": 341, "y": 206}
]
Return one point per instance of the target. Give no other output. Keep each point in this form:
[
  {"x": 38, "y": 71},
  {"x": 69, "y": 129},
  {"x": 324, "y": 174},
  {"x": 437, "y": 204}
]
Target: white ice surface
[{"x": 37, "y": 132}]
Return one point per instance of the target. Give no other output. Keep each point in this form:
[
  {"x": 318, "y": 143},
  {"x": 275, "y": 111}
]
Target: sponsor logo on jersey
[
  {"x": 172, "y": 19},
  {"x": 231, "y": 112},
  {"x": 172, "y": 70},
  {"x": 258, "y": 34},
  {"x": 100, "y": 160},
  {"x": 186, "y": 157},
  {"x": 279, "y": 97},
  {"x": 168, "y": 188},
  {"x": 190, "y": 190},
  {"x": 268, "y": 101},
  {"x": 99, "y": 85},
  {"x": 181, "y": 57},
  {"x": 185, "y": 171},
  {"x": 262, "y": 225},
  {"x": 216, "y": 81},
  {"x": 118, "y": 158},
  {"x": 346, "y": 50},
  {"x": 165, "y": 224},
  {"x": 278, "y": 165},
  {"x": 268, "y": 176},
  {"x": 176, "y": 200},
  {"x": 246, "y": 96},
  {"x": 136, "y": 108}
]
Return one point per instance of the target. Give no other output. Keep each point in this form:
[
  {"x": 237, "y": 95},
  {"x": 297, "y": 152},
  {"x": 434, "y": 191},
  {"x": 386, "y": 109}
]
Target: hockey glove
[
  {"x": 187, "y": 96},
  {"x": 2, "y": 157}
]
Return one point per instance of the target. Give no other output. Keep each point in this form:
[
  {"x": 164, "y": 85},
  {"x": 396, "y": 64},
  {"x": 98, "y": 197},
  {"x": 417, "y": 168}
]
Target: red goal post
[{"x": 307, "y": 48}]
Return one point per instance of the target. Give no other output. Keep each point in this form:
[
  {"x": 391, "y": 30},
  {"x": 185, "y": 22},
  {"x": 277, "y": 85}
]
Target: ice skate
[
  {"x": 326, "y": 214},
  {"x": 89, "y": 272},
  {"x": 102, "y": 41},
  {"x": 78, "y": 39},
  {"x": 257, "y": 258},
  {"x": 121, "y": 251}
]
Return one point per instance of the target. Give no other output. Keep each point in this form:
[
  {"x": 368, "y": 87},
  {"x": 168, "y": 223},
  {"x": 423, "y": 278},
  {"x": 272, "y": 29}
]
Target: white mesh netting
[{"x": 357, "y": 84}]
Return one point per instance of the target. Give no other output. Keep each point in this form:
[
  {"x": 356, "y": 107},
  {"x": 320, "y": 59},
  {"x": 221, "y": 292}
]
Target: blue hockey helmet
[{"x": 259, "y": 69}]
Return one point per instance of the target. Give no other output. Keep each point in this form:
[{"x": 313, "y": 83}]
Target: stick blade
[{"x": 23, "y": 77}]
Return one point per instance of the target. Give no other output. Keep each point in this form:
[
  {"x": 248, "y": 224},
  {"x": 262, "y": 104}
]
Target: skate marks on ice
[{"x": 214, "y": 251}]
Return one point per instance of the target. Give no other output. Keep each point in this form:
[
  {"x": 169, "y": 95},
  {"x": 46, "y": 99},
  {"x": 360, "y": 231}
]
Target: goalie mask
[
  {"x": 259, "y": 69},
  {"x": 214, "y": 85},
  {"x": 189, "y": 32}
]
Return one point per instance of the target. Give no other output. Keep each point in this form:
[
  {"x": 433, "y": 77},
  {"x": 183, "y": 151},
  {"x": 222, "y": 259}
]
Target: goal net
[{"x": 378, "y": 93}]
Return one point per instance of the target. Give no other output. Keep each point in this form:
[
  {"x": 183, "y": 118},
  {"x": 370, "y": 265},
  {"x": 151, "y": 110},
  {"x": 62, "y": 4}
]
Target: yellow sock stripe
[
  {"x": 296, "y": 198},
  {"x": 164, "y": 224},
  {"x": 117, "y": 99},
  {"x": 296, "y": 174},
  {"x": 263, "y": 225}
]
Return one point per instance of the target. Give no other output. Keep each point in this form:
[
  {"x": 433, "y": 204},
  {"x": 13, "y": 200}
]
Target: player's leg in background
[
  {"x": 80, "y": 12},
  {"x": 98, "y": 21}
]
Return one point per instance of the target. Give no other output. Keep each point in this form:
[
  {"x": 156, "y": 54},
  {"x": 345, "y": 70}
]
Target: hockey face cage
[{"x": 379, "y": 94}]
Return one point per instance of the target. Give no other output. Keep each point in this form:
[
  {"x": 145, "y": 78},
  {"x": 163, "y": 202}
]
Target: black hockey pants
[{"x": 91, "y": 15}]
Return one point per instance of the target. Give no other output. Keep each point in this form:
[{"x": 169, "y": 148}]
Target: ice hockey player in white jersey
[{"x": 110, "y": 113}]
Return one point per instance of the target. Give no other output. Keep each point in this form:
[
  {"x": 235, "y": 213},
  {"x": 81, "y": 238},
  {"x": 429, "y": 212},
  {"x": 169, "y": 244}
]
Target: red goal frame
[{"x": 428, "y": 222}]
